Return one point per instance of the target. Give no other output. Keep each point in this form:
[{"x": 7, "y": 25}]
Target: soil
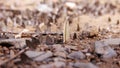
[{"x": 27, "y": 30}]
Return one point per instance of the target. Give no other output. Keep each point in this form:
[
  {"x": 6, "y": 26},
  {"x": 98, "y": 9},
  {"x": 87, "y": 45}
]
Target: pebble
[
  {"x": 57, "y": 59},
  {"x": 105, "y": 50},
  {"x": 44, "y": 8},
  {"x": 71, "y": 5},
  {"x": 84, "y": 65},
  {"x": 60, "y": 54},
  {"x": 111, "y": 41},
  {"x": 59, "y": 64},
  {"x": 88, "y": 54},
  {"x": 46, "y": 66},
  {"x": 76, "y": 55},
  {"x": 32, "y": 54},
  {"x": 38, "y": 56},
  {"x": 43, "y": 56},
  {"x": 54, "y": 65},
  {"x": 58, "y": 47},
  {"x": 70, "y": 65}
]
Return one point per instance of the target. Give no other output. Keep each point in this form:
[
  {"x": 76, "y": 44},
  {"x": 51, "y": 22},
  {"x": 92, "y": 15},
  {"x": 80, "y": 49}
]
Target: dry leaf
[{"x": 20, "y": 34}]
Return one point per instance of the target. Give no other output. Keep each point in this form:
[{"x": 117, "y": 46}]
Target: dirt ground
[{"x": 32, "y": 34}]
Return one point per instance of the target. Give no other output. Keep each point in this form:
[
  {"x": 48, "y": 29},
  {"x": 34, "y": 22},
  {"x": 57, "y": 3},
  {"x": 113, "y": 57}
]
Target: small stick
[
  {"x": 42, "y": 33},
  {"x": 6, "y": 61}
]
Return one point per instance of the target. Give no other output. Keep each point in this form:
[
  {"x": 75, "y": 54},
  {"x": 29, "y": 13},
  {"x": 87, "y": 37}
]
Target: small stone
[
  {"x": 105, "y": 50},
  {"x": 57, "y": 59},
  {"x": 58, "y": 47},
  {"x": 111, "y": 53},
  {"x": 70, "y": 65},
  {"x": 46, "y": 66},
  {"x": 88, "y": 54},
  {"x": 47, "y": 60},
  {"x": 43, "y": 56},
  {"x": 71, "y": 5},
  {"x": 84, "y": 65},
  {"x": 32, "y": 54},
  {"x": 5, "y": 48},
  {"x": 60, "y": 54},
  {"x": 100, "y": 47},
  {"x": 59, "y": 64},
  {"x": 54, "y": 65},
  {"x": 44, "y": 8},
  {"x": 111, "y": 41},
  {"x": 76, "y": 55}
]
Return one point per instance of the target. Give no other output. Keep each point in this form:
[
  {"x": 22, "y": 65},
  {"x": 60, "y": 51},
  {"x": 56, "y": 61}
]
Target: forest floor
[{"x": 32, "y": 34}]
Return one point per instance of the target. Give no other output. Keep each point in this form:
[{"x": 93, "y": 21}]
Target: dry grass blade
[{"x": 66, "y": 31}]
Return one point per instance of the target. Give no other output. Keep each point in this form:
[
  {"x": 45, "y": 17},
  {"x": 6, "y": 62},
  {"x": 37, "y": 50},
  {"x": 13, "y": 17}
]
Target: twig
[
  {"x": 6, "y": 61},
  {"x": 42, "y": 33},
  {"x": 13, "y": 10}
]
